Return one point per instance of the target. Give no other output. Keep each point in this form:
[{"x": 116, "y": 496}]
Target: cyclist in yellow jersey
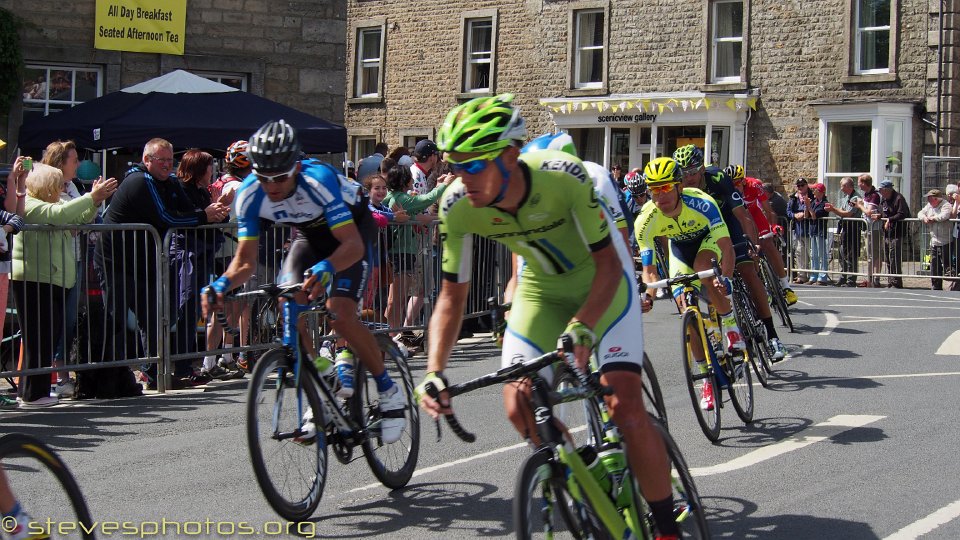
[
  {"x": 691, "y": 220},
  {"x": 542, "y": 205}
]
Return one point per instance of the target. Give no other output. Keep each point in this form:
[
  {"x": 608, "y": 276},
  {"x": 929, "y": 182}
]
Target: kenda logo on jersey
[{"x": 563, "y": 165}]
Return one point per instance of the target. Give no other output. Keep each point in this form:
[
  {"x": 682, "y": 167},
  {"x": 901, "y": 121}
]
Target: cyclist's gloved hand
[
  {"x": 433, "y": 383},
  {"x": 581, "y": 334},
  {"x": 220, "y": 285},
  {"x": 778, "y": 229},
  {"x": 320, "y": 273},
  {"x": 726, "y": 285}
]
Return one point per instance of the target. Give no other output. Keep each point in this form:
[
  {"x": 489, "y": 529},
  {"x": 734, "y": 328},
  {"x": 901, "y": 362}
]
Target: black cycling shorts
[{"x": 347, "y": 283}]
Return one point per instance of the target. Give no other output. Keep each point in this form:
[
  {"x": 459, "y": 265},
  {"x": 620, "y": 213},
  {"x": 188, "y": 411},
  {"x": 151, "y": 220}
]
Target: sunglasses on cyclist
[
  {"x": 473, "y": 166},
  {"x": 276, "y": 178},
  {"x": 658, "y": 190}
]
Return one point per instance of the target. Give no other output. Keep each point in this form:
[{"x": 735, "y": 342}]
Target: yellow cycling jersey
[{"x": 698, "y": 224}]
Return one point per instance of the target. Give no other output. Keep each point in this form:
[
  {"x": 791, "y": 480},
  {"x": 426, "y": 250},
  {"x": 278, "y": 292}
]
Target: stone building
[
  {"x": 815, "y": 89},
  {"x": 290, "y": 52}
]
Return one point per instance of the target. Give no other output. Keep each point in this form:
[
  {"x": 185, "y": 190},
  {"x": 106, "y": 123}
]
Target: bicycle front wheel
[
  {"x": 392, "y": 463},
  {"x": 544, "y": 507},
  {"x": 777, "y": 294},
  {"x": 581, "y": 417},
  {"x": 291, "y": 471},
  {"x": 699, "y": 377},
  {"x": 652, "y": 396},
  {"x": 33, "y": 471}
]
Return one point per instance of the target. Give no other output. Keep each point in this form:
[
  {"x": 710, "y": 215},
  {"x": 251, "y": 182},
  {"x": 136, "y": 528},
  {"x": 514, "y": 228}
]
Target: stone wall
[{"x": 292, "y": 52}]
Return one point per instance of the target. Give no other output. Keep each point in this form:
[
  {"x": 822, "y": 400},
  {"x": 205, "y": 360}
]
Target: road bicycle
[
  {"x": 752, "y": 329},
  {"x": 652, "y": 395},
  {"x": 286, "y": 393},
  {"x": 587, "y": 491},
  {"x": 723, "y": 370},
  {"x": 778, "y": 297},
  {"x": 43, "y": 485}
]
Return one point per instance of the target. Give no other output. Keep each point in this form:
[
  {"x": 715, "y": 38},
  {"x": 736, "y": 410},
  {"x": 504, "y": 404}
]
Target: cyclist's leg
[
  {"x": 7, "y": 498},
  {"x": 346, "y": 290},
  {"x": 532, "y": 330},
  {"x": 302, "y": 256},
  {"x": 620, "y": 356}
]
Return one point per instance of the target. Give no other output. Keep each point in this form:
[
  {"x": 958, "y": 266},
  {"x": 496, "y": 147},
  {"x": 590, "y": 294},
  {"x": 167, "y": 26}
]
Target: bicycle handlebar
[
  {"x": 681, "y": 279},
  {"x": 770, "y": 234},
  {"x": 590, "y": 387},
  {"x": 270, "y": 290}
]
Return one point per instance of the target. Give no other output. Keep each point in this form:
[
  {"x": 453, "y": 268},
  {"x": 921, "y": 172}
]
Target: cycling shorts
[
  {"x": 347, "y": 283},
  {"x": 537, "y": 321}
]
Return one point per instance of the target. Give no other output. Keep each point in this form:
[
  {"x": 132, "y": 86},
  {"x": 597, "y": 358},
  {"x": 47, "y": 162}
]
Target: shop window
[
  {"x": 233, "y": 80},
  {"x": 589, "y": 143},
  {"x": 48, "y": 89}
]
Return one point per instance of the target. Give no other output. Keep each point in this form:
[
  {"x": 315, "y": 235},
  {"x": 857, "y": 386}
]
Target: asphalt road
[{"x": 856, "y": 439}]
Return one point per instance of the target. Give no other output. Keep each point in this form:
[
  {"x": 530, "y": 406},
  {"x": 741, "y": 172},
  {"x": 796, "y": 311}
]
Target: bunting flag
[{"x": 649, "y": 105}]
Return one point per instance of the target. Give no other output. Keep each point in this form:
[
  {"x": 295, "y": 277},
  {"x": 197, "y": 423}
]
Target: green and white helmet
[{"x": 482, "y": 124}]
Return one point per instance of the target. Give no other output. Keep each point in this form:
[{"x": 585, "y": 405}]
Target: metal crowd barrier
[
  {"x": 96, "y": 319},
  {"x": 850, "y": 247}
]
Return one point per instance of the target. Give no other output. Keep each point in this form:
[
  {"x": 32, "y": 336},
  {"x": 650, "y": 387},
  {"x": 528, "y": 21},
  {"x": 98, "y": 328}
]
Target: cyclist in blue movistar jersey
[
  {"x": 720, "y": 186},
  {"x": 331, "y": 251}
]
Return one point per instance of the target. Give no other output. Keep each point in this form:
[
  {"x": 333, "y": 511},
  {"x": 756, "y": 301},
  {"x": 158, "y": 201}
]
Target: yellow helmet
[{"x": 662, "y": 171}]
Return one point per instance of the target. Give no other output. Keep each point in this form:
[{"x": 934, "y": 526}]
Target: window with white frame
[
  {"x": 478, "y": 55},
  {"x": 589, "y": 39},
  {"x": 872, "y": 43},
  {"x": 369, "y": 62},
  {"x": 48, "y": 89},
  {"x": 726, "y": 41},
  {"x": 363, "y": 146},
  {"x": 233, "y": 80},
  {"x": 848, "y": 152}
]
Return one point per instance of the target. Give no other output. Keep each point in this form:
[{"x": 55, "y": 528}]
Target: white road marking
[
  {"x": 855, "y": 320},
  {"x": 823, "y": 430},
  {"x": 921, "y": 527},
  {"x": 832, "y": 322},
  {"x": 890, "y": 306},
  {"x": 951, "y": 346},
  {"x": 804, "y": 303}
]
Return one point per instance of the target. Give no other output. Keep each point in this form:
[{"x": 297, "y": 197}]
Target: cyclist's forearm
[
  {"x": 603, "y": 288},
  {"x": 445, "y": 323}
]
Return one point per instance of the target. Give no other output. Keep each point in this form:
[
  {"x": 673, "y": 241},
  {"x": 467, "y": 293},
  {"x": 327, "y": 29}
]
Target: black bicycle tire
[
  {"x": 22, "y": 445},
  {"x": 291, "y": 510},
  {"x": 686, "y": 479},
  {"x": 652, "y": 392},
  {"x": 744, "y": 409},
  {"x": 754, "y": 336},
  {"x": 522, "y": 503},
  {"x": 777, "y": 293},
  {"x": 712, "y": 432},
  {"x": 594, "y": 423},
  {"x": 399, "y": 478}
]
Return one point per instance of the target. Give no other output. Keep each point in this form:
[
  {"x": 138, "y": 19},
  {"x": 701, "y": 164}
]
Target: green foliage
[{"x": 11, "y": 60}]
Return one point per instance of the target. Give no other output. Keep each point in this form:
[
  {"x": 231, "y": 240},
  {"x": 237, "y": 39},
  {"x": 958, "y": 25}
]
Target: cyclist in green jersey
[{"x": 542, "y": 206}]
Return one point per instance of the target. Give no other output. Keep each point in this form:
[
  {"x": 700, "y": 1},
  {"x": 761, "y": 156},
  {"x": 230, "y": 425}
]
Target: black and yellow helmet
[
  {"x": 735, "y": 172},
  {"x": 662, "y": 171},
  {"x": 482, "y": 124}
]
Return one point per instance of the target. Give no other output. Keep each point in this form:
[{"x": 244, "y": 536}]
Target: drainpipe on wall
[{"x": 939, "y": 74}]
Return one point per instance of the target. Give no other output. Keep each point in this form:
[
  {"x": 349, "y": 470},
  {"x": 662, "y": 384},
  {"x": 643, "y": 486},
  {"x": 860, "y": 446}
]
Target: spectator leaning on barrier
[
  {"x": 893, "y": 212},
  {"x": 848, "y": 231},
  {"x": 935, "y": 215},
  {"x": 425, "y": 158},
  {"x": 44, "y": 268},
  {"x": 869, "y": 206},
  {"x": 130, "y": 273},
  {"x": 800, "y": 213}
]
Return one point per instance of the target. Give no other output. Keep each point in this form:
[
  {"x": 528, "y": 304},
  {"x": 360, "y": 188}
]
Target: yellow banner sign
[{"x": 155, "y": 26}]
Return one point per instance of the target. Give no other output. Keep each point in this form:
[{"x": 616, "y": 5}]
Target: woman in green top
[
  {"x": 406, "y": 241},
  {"x": 44, "y": 268}
]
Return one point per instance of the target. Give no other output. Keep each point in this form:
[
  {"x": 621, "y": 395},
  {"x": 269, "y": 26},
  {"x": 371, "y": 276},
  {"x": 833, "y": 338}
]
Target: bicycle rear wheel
[
  {"x": 29, "y": 464},
  {"x": 393, "y": 464},
  {"x": 709, "y": 420},
  {"x": 291, "y": 474},
  {"x": 543, "y": 506},
  {"x": 777, "y": 294},
  {"x": 652, "y": 396},
  {"x": 688, "y": 510}
]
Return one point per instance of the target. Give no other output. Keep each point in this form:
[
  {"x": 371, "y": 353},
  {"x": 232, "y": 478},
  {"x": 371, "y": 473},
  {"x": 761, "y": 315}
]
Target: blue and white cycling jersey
[{"x": 323, "y": 201}]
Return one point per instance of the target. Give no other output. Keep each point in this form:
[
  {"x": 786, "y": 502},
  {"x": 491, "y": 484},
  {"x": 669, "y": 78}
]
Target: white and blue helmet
[{"x": 561, "y": 141}]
